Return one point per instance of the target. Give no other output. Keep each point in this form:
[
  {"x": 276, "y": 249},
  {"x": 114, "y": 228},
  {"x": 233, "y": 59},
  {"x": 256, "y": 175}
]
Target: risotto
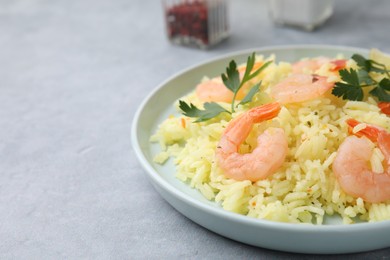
[{"x": 304, "y": 189}]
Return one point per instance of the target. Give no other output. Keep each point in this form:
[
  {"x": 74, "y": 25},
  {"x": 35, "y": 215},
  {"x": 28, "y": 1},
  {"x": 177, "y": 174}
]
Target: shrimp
[
  {"x": 215, "y": 90},
  {"x": 300, "y": 87},
  {"x": 265, "y": 159},
  {"x": 384, "y": 107},
  {"x": 351, "y": 165},
  {"x": 316, "y": 63}
]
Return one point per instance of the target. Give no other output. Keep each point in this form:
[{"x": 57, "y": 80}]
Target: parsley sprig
[
  {"x": 211, "y": 110},
  {"x": 353, "y": 81},
  {"x": 231, "y": 80}
]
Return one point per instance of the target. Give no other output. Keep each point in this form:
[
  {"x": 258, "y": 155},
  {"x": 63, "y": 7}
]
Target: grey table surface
[{"x": 72, "y": 74}]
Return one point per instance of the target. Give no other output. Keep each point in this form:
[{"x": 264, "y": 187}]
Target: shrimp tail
[
  {"x": 339, "y": 64},
  {"x": 370, "y": 132},
  {"x": 237, "y": 129},
  {"x": 384, "y": 107},
  {"x": 375, "y": 134},
  {"x": 265, "y": 112}
]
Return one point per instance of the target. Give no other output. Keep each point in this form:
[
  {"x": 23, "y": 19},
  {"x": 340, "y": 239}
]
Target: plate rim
[{"x": 219, "y": 211}]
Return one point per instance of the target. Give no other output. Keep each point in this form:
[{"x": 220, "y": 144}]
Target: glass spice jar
[{"x": 196, "y": 23}]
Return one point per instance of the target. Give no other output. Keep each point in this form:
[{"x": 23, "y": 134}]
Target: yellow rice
[{"x": 304, "y": 189}]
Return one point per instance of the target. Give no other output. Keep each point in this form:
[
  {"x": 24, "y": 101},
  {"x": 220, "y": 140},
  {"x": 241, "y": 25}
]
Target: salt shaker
[{"x": 306, "y": 14}]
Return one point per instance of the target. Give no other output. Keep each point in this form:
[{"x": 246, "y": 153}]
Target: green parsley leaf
[
  {"x": 249, "y": 66},
  {"x": 349, "y": 76},
  {"x": 354, "y": 80},
  {"x": 248, "y": 98},
  {"x": 232, "y": 80},
  {"x": 347, "y": 91},
  {"x": 250, "y": 63},
  {"x": 351, "y": 89},
  {"x": 381, "y": 91},
  {"x": 369, "y": 65},
  {"x": 232, "y": 77},
  {"x": 211, "y": 110},
  {"x": 362, "y": 62},
  {"x": 385, "y": 84},
  {"x": 258, "y": 71}
]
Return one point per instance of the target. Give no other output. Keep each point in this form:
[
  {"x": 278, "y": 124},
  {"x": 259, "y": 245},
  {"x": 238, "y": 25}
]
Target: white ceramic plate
[{"x": 332, "y": 237}]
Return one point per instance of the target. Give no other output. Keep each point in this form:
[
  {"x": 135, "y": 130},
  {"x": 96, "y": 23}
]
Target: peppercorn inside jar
[{"x": 196, "y": 23}]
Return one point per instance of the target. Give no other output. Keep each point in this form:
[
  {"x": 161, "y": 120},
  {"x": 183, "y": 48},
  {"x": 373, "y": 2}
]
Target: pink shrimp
[
  {"x": 384, "y": 107},
  {"x": 300, "y": 87},
  {"x": 316, "y": 63},
  {"x": 351, "y": 165},
  {"x": 265, "y": 159},
  {"x": 215, "y": 90}
]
